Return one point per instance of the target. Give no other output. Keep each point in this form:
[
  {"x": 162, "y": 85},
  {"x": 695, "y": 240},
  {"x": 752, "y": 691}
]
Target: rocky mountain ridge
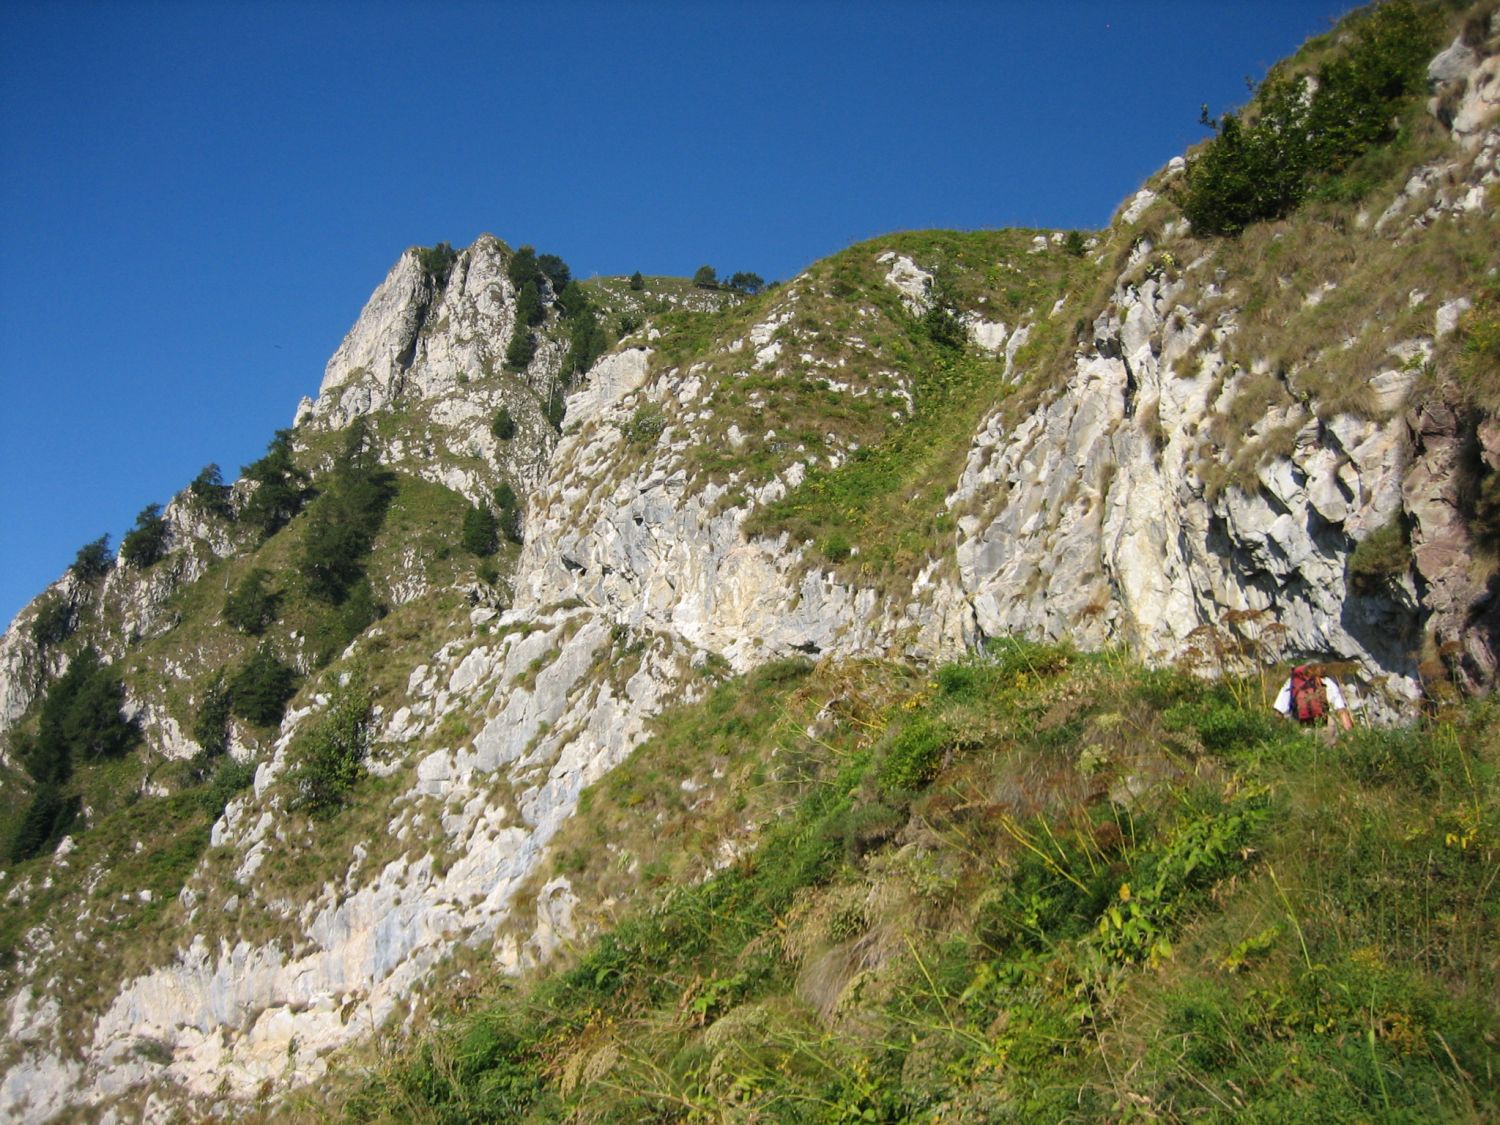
[{"x": 1098, "y": 497}]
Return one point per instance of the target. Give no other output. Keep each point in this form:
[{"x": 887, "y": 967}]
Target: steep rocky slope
[{"x": 1145, "y": 438}]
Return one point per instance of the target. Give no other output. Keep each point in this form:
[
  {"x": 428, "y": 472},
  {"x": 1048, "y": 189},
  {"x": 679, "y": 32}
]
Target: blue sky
[{"x": 197, "y": 198}]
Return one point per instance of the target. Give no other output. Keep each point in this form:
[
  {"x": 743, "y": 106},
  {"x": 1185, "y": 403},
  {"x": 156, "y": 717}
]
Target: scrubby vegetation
[
  {"x": 79, "y": 722},
  {"x": 879, "y": 509},
  {"x": 146, "y": 542},
  {"x": 253, "y": 603},
  {"x": 281, "y": 487},
  {"x": 436, "y": 261},
  {"x": 1039, "y": 886},
  {"x": 1305, "y": 132},
  {"x": 93, "y": 560},
  {"x": 330, "y": 756}
]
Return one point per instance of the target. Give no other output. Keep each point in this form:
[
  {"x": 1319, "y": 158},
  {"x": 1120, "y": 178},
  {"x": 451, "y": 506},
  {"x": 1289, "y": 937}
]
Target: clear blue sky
[{"x": 196, "y": 198}]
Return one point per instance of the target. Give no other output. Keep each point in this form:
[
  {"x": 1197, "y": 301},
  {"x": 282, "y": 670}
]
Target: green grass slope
[{"x": 1038, "y": 886}]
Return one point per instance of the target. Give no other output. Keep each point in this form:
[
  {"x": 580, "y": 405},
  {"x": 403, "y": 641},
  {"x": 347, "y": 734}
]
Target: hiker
[{"x": 1308, "y": 696}]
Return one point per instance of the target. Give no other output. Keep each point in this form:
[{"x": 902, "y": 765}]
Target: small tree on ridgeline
[
  {"x": 212, "y": 494},
  {"x": 146, "y": 542},
  {"x": 281, "y": 487},
  {"x": 555, "y": 270},
  {"x": 92, "y": 561},
  {"x": 748, "y": 283}
]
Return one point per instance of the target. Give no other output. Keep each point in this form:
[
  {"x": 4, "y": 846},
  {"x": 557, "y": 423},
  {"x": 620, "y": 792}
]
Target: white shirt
[{"x": 1335, "y": 697}]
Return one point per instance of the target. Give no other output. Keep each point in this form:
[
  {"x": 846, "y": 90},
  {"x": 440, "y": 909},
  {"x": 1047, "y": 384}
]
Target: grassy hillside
[{"x": 1040, "y": 885}]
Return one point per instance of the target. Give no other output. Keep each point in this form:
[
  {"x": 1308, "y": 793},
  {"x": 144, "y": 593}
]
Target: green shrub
[
  {"x": 747, "y": 283},
  {"x": 587, "y": 341},
  {"x": 340, "y": 624},
  {"x": 211, "y": 493},
  {"x": 556, "y": 271},
  {"x": 1401, "y": 756},
  {"x": 961, "y": 681},
  {"x": 522, "y": 347},
  {"x": 252, "y": 605},
  {"x": 522, "y": 269},
  {"x": 343, "y": 522},
  {"x": 637, "y": 282},
  {"x": 281, "y": 487},
  {"x": 915, "y": 754},
  {"x": 80, "y": 721},
  {"x": 503, "y": 426},
  {"x": 1223, "y": 727},
  {"x": 81, "y": 716},
  {"x": 146, "y": 542},
  {"x": 436, "y": 261},
  {"x": 211, "y": 725},
  {"x": 509, "y": 521},
  {"x": 1381, "y": 557},
  {"x": 1014, "y": 655},
  {"x": 49, "y": 817},
  {"x": 92, "y": 561},
  {"x": 1162, "y": 688},
  {"x": 864, "y": 827},
  {"x": 646, "y": 425},
  {"x": 259, "y": 691},
  {"x": 53, "y": 623},
  {"x": 229, "y": 778},
  {"x": 1262, "y": 167},
  {"x": 529, "y": 308},
  {"x": 557, "y": 408},
  {"x": 836, "y": 548},
  {"x": 330, "y": 756},
  {"x": 1246, "y": 174},
  {"x": 944, "y": 329},
  {"x": 481, "y": 531}
]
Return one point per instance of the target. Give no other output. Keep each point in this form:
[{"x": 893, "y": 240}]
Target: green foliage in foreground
[{"x": 1045, "y": 887}]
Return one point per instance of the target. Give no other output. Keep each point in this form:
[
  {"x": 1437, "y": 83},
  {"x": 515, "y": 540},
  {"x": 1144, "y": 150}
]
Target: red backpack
[{"x": 1309, "y": 699}]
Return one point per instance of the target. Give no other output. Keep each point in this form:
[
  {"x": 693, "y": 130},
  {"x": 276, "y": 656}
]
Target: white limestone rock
[{"x": 910, "y": 280}]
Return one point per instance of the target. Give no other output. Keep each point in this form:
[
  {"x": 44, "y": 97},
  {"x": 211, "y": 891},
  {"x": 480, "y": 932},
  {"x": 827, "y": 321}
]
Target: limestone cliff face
[
  {"x": 434, "y": 347},
  {"x": 1117, "y": 507},
  {"x": 656, "y": 551},
  {"x": 1086, "y": 520}
]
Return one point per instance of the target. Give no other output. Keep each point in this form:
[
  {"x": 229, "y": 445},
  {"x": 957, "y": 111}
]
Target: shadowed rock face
[{"x": 1087, "y": 517}]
